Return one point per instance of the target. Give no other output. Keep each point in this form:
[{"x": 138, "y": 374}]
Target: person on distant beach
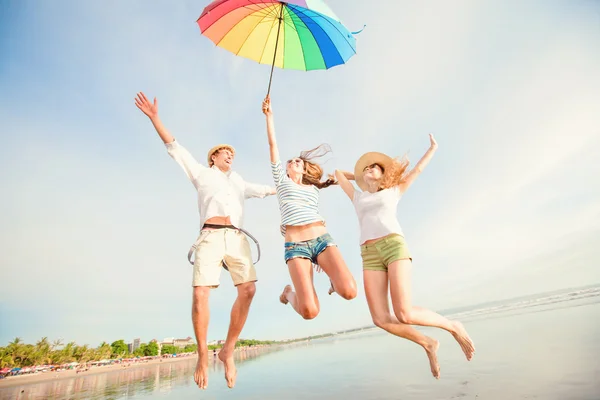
[
  {"x": 307, "y": 242},
  {"x": 221, "y": 195},
  {"x": 386, "y": 259}
]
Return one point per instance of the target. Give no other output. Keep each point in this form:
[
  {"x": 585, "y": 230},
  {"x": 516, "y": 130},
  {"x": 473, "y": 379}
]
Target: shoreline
[{"x": 47, "y": 377}]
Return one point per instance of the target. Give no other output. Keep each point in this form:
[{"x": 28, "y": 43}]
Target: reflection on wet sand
[{"x": 159, "y": 378}]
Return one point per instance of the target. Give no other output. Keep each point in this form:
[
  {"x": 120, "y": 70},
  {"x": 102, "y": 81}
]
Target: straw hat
[
  {"x": 212, "y": 151},
  {"x": 367, "y": 159}
]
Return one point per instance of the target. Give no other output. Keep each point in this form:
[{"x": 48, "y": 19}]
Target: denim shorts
[{"x": 309, "y": 248}]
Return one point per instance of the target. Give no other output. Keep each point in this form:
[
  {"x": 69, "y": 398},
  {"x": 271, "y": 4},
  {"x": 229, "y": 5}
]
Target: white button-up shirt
[{"x": 220, "y": 194}]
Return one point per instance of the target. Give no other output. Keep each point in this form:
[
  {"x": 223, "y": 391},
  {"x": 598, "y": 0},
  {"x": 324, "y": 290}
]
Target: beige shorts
[{"x": 222, "y": 246}]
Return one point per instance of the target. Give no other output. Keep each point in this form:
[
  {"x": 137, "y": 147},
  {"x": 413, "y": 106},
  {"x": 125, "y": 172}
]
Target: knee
[
  {"x": 404, "y": 317},
  {"x": 380, "y": 321},
  {"x": 347, "y": 292},
  {"x": 309, "y": 312},
  {"x": 200, "y": 298},
  {"x": 201, "y": 294},
  {"x": 248, "y": 291}
]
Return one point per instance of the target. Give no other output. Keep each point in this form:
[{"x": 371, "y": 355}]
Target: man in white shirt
[{"x": 221, "y": 195}]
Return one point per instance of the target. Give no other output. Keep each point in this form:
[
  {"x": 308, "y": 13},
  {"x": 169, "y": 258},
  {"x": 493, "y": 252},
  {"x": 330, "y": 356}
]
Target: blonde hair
[
  {"x": 313, "y": 171},
  {"x": 395, "y": 173}
]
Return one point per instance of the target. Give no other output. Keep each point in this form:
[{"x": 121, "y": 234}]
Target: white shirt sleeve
[
  {"x": 190, "y": 166},
  {"x": 255, "y": 190}
]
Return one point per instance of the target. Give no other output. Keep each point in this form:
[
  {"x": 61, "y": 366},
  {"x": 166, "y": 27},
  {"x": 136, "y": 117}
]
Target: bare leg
[
  {"x": 200, "y": 317},
  {"x": 376, "y": 289},
  {"x": 342, "y": 281},
  {"x": 304, "y": 300},
  {"x": 239, "y": 314},
  {"x": 400, "y": 289}
]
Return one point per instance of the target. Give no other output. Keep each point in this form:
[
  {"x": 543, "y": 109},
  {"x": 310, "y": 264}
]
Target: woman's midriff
[{"x": 304, "y": 232}]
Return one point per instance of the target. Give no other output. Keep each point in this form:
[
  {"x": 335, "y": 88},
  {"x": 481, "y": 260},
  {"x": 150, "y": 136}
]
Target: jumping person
[
  {"x": 387, "y": 262},
  {"x": 307, "y": 242},
  {"x": 221, "y": 243}
]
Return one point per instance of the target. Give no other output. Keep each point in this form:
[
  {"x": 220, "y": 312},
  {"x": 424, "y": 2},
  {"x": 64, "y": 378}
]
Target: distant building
[
  {"x": 130, "y": 348},
  {"x": 181, "y": 343},
  {"x": 136, "y": 344}
]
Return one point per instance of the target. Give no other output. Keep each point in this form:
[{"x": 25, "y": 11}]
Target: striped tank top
[{"x": 298, "y": 204}]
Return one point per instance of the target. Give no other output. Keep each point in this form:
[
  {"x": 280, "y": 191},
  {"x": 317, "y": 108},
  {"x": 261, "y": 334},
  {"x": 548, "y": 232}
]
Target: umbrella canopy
[{"x": 296, "y": 34}]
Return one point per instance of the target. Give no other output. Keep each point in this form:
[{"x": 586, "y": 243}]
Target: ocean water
[{"x": 541, "y": 347}]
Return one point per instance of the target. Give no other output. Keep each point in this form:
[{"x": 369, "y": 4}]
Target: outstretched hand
[
  {"x": 434, "y": 144},
  {"x": 150, "y": 109},
  {"x": 266, "y": 106}
]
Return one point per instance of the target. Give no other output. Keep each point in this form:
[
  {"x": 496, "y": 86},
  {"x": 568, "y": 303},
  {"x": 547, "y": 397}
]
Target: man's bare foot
[
  {"x": 201, "y": 374},
  {"x": 431, "y": 349},
  {"x": 283, "y": 298},
  {"x": 463, "y": 339},
  {"x": 230, "y": 370}
]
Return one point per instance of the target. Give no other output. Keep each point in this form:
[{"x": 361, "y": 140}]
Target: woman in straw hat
[
  {"x": 385, "y": 254},
  {"x": 307, "y": 242}
]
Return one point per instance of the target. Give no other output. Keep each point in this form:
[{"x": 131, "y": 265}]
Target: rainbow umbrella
[{"x": 296, "y": 34}]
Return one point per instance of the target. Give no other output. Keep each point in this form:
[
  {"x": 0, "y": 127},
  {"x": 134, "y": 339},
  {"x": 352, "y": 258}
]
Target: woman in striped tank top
[{"x": 306, "y": 239}]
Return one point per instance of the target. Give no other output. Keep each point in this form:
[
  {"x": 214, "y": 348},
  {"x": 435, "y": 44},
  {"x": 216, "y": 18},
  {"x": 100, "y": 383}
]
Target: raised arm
[
  {"x": 151, "y": 110},
  {"x": 416, "y": 171},
  {"x": 266, "y": 109},
  {"x": 343, "y": 179},
  {"x": 255, "y": 190}
]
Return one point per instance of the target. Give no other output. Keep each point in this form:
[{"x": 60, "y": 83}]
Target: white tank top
[{"x": 377, "y": 213}]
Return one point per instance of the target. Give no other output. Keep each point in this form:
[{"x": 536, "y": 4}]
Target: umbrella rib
[
  {"x": 340, "y": 32},
  {"x": 268, "y": 9},
  {"x": 227, "y": 13},
  {"x": 298, "y": 10},
  {"x": 301, "y": 47},
  {"x": 334, "y": 46},
  {"x": 246, "y": 39},
  {"x": 266, "y": 41}
]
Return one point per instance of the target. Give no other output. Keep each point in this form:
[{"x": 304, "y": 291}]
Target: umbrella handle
[{"x": 275, "y": 52}]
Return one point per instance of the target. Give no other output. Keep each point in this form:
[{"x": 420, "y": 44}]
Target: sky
[{"x": 97, "y": 219}]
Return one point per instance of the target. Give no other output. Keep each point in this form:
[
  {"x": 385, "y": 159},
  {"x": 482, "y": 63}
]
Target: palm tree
[
  {"x": 16, "y": 351},
  {"x": 104, "y": 351},
  {"x": 6, "y": 359},
  {"x": 42, "y": 351},
  {"x": 56, "y": 344}
]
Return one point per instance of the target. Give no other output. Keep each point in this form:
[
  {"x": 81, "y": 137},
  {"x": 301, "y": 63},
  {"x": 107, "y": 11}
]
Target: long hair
[
  {"x": 312, "y": 170},
  {"x": 395, "y": 173}
]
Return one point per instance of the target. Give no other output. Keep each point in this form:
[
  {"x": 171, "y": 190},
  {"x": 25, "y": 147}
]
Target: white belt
[{"x": 195, "y": 245}]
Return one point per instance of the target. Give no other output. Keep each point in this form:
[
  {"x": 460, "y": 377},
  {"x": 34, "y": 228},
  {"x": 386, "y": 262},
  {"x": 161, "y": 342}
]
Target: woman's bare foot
[
  {"x": 463, "y": 339},
  {"x": 431, "y": 349},
  {"x": 283, "y": 298},
  {"x": 201, "y": 374},
  {"x": 230, "y": 370}
]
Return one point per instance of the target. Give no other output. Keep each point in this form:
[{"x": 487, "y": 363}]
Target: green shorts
[{"x": 378, "y": 255}]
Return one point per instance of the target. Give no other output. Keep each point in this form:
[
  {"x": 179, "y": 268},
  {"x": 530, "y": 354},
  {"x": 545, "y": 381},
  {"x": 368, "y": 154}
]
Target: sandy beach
[
  {"x": 42, "y": 377},
  {"x": 53, "y": 376}
]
